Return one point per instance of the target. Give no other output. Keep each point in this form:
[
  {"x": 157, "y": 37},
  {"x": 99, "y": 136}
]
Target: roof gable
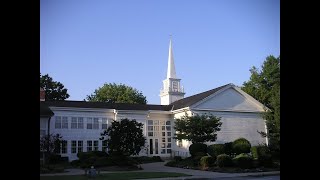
[
  {"x": 188, "y": 101},
  {"x": 230, "y": 99}
]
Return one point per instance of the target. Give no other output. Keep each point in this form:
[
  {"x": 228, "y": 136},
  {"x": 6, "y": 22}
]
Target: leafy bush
[
  {"x": 171, "y": 164},
  {"x": 243, "y": 161},
  {"x": 216, "y": 149},
  {"x": 197, "y": 147},
  {"x": 241, "y": 145},
  {"x": 75, "y": 163},
  {"x": 177, "y": 158},
  {"x": 207, "y": 161},
  {"x": 262, "y": 154},
  {"x": 157, "y": 159},
  {"x": 54, "y": 159},
  {"x": 228, "y": 148},
  {"x": 102, "y": 162},
  {"x": 224, "y": 160}
]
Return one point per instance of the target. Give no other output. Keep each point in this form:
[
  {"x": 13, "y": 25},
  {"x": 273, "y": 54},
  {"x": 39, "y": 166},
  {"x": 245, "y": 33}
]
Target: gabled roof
[
  {"x": 188, "y": 101},
  {"x": 45, "y": 111},
  {"x": 117, "y": 106}
]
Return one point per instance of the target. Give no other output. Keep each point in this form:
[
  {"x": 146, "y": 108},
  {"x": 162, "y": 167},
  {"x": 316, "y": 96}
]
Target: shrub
[
  {"x": 157, "y": 159},
  {"x": 54, "y": 159},
  {"x": 243, "y": 161},
  {"x": 262, "y": 154},
  {"x": 197, "y": 147},
  {"x": 241, "y": 145},
  {"x": 216, "y": 149},
  {"x": 171, "y": 164},
  {"x": 224, "y": 160},
  {"x": 177, "y": 158},
  {"x": 228, "y": 148},
  {"x": 207, "y": 161},
  {"x": 102, "y": 162},
  {"x": 75, "y": 163}
]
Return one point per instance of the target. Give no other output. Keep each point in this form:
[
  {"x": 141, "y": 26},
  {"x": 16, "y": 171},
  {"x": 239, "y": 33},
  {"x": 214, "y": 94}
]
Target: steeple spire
[{"x": 171, "y": 72}]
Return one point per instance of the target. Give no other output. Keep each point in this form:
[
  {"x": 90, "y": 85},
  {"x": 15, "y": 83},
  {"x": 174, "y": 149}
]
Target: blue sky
[{"x": 86, "y": 43}]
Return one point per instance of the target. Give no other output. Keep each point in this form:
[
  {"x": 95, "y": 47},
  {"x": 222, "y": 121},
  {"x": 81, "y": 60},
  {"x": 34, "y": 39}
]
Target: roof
[
  {"x": 104, "y": 105},
  {"x": 45, "y": 111},
  {"x": 188, "y": 101}
]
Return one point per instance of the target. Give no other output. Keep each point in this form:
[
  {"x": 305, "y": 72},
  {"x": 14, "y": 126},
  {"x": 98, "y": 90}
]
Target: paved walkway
[{"x": 159, "y": 167}]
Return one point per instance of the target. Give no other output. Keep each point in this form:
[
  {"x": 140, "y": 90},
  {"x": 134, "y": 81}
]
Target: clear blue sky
[{"x": 86, "y": 43}]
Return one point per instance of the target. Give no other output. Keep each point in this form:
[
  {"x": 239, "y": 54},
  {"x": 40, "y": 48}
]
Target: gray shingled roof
[
  {"x": 118, "y": 106},
  {"x": 188, "y": 101}
]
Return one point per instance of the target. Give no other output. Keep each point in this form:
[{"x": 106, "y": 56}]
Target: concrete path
[{"x": 159, "y": 167}]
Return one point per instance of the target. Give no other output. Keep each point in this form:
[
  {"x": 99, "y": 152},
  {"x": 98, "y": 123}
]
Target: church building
[{"x": 80, "y": 123}]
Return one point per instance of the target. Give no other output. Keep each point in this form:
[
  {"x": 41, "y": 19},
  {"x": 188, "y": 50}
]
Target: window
[
  {"x": 150, "y": 128},
  {"x": 104, "y": 124},
  {"x": 168, "y": 133},
  {"x": 163, "y": 128},
  {"x": 168, "y": 151},
  {"x": 168, "y": 123},
  {"x": 168, "y": 128},
  {"x": 64, "y": 147},
  {"x": 95, "y": 123},
  {"x": 80, "y": 122},
  {"x": 169, "y": 145},
  {"x": 89, "y": 146},
  {"x": 57, "y": 123},
  {"x": 80, "y": 146},
  {"x": 74, "y": 123},
  {"x": 163, "y": 134},
  {"x": 169, "y": 139},
  {"x": 150, "y": 133},
  {"x": 89, "y": 123},
  {"x": 64, "y": 122},
  {"x": 96, "y": 145},
  {"x": 180, "y": 143},
  {"x": 163, "y": 139},
  {"x": 104, "y": 145},
  {"x": 150, "y": 122},
  {"x": 73, "y": 146}
]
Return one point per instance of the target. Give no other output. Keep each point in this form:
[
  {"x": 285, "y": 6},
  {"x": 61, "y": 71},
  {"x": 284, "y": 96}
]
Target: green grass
[{"x": 117, "y": 176}]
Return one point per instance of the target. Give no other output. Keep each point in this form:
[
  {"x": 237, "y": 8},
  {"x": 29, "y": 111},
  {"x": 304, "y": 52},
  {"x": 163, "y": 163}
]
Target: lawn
[{"x": 117, "y": 176}]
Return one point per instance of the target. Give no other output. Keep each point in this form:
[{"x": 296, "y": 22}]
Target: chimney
[{"x": 42, "y": 95}]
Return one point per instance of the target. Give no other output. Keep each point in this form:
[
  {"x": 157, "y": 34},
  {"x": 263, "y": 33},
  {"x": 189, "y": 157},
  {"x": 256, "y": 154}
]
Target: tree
[
  {"x": 198, "y": 128},
  {"x": 124, "y": 137},
  {"x": 50, "y": 144},
  {"x": 54, "y": 90},
  {"x": 264, "y": 86},
  {"x": 115, "y": 93}
]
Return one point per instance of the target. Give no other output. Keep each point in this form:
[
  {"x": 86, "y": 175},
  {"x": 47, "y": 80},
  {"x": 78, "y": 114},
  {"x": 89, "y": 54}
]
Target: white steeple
[
  {"x": 172, "y": 89},
  {"x": 171, "y": 72}
]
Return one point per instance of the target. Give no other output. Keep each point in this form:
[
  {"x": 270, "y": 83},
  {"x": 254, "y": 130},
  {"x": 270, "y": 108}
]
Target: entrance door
[{"x": 154, "y": 146}]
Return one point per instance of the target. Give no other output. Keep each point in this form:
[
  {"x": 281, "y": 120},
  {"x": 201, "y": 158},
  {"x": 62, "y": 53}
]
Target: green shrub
[
  {"x": 224, "y": 160},
  {"x": 171, "y": 164},
  {"x": 241, "y": 145},
  {"x": 197, "y": 147},
  {"x": 262, "y": 154},
  {"x": 177, "y": 158},
  {"x": 75, "y": 163},
  {"x": 157, "y": 159},
  {"x": 207, "y": 161},
  {"x": 102, "y": 162},
  {"x": 216, "y": 149},
  {"x": 54, "y": 159},
  {"x": 243, "y": 161},
  {"x": 228, "y": 148}
]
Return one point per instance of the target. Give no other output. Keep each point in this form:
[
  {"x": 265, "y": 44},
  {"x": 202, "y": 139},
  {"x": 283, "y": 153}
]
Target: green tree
[
  {"x": 264, "y": 86},
  {"x": 124, "y": 137},
  {"x": 50, "y": 144},
  {"x": 115, "y": 93},
  {"x": 198, "y": 128},
  {"x": 54, "y": 90}
]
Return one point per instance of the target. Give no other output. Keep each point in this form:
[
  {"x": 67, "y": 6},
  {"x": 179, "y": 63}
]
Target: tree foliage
[
  {"x": 50, "y": 143},
  {"x": 54, "y": 90},
  {"x": 198, "y": 128},
  {"x": 115, "y": 93},
  {"x": 124, "y": 137},
  {"x": 264, "y": 86}
]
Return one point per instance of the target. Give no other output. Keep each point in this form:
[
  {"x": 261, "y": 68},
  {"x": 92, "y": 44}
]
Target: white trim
[
  {"x": 54, "y": 108},
  {"x": 181, "y": 110},
  {"x": 221, "y": 110}
]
